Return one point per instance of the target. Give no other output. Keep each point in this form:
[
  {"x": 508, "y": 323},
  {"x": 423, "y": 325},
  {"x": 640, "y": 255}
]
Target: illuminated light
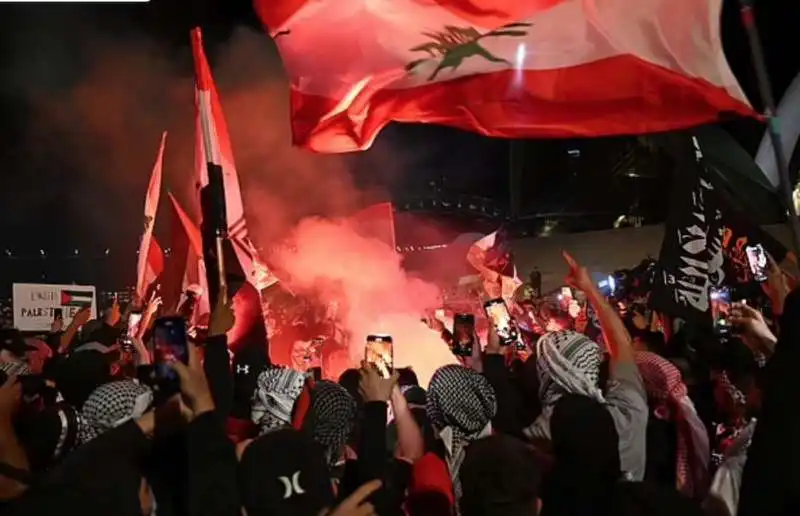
[
  {"x": 75, "y": 252},
  {"x": 519, "y": 58},
  {"x": 41, "y": 252},
  {"x": 107, "y": 252}
]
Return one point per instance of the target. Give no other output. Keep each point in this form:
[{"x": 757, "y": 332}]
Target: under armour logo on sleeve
[
  {"x": 243, "y": 369},
  {"x": 291, "y": 485}
]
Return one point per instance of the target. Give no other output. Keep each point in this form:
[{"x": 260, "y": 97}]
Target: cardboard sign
[{"x": 35, "y": 304}]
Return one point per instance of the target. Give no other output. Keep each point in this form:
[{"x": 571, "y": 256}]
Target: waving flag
[
  {"x": 188, "y": 247},
  {"x": 376, "y": 222},
  {"x": 507, "y": 68},
  {"x": 150, "y": 263},
  {"x": 492, "y": 257},
  {"x": 214, "y": 166}
]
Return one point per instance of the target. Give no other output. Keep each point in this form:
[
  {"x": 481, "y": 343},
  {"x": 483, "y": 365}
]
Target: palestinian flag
[{"x": 77, "y": 298}]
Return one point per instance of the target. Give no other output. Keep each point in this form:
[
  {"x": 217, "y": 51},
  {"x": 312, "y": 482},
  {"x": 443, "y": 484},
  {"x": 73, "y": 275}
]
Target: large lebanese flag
[
  {"x": 150, "y": 263},
  {"x": 213, "y": 150},
  {"x": 507, "y": 68}
]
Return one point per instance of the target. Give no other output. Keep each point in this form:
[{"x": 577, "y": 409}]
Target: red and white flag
[
  {"x": 213, "y": 146},
  {"x": 375, "y": 222},
  {"x": 493, "y": 259},
  {"x": 505, "y": 68},
  {"x": 150, "y": 263},
  {"x": 194, "y": 275}
]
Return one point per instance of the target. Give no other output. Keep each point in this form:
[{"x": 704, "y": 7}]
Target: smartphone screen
[
  {"x": 169, "y": 344},
  {"x": 379, "y": 352},
  {"x": 498, "y": 314},
  {"x": 720, "y": 309},
  {"x": 463, "y": 334},
  {"x": 134, "y": 319},
  {"x": 757, "y": 259},
  {"x": 607, "y": 286}
]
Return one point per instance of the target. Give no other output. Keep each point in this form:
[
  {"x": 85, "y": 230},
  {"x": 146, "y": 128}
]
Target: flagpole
[{"x": 765, "y": 91}]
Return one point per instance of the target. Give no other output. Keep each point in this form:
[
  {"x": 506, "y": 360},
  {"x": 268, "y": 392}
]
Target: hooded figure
[
  {"x": 461, "y": 404},
  {"x": 669, "y": 401},
  {"x": 330, "y": 419},
  {"x": 111, "y": 405},
  {"x": 275, "y": 395},
  {"x": 587, "y": 479},
  {"x": 567, "y": 362}
]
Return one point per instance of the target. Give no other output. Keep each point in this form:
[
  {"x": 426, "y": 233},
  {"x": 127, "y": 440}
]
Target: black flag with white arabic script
[{"x": 702, "y": 237}]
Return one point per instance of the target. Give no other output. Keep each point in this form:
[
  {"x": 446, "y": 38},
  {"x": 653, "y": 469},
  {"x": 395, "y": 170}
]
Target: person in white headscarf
[{"x": 569, "y": 363}]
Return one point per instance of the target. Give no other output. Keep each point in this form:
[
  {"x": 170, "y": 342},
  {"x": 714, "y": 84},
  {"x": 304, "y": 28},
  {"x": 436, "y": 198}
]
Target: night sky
[{"x": 85, "y": 91}]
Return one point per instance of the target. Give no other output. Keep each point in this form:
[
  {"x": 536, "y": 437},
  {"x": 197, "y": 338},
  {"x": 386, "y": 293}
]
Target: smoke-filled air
[{"x": 104, "y": 113}]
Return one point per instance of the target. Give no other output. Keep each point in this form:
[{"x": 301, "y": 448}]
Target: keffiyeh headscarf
[
  {"x": 461, "y": 404},
  {"x": 330, "y": 418},
  {"x": 112, "y": 405},
  {"x": 567, "y": 363},
  {"x": 274, "y": 398},
  {"x": 669, "y": 400},
  {"x": 15, "y": 368}
]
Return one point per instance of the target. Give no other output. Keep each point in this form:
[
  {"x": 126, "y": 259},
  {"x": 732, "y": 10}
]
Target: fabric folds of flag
[
  {"x": 216, "y": 176},
  {"x": 150, "y": 263},
  {"x": 375, "y": 222},
  {"x": 704, "y": 243},
  {"x": 188, "y": 270},
  {"x": 504, "y": 68},
  {"x": 492, "y": 257}
]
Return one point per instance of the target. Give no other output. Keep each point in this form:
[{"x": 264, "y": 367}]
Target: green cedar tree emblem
[{"x": 451, "y": 46}]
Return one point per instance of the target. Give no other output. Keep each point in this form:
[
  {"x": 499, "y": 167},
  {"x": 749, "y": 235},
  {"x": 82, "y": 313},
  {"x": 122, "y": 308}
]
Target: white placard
[{"x": 35, "y": 304}]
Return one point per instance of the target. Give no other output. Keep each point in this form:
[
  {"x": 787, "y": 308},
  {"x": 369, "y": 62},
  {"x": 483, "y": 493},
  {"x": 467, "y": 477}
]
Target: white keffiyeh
[{"x": 274, "y": 398}]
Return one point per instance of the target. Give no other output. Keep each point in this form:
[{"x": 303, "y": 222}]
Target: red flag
[
  {"x": 194, "y": 272},
  {"x": 213, "y": 149},
  {"x": 150, "y": 263},
  {"x": 505, "y": 68},
  {"x": 376, "y": 221}
]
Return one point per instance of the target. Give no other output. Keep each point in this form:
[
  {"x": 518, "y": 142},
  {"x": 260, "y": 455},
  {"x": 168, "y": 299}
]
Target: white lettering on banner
[
  {"x": 701, "y": 260},
  {"x": 35, "y": 304}
]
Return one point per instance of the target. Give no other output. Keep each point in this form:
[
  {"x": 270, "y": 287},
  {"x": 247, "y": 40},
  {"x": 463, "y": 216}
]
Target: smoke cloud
[
  {"x": 330, "y": 259},
  {"x": 100, "y": 110}
]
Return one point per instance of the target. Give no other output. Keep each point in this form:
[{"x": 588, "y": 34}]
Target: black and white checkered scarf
[
  {"x": 461, "y": 404},
  {"x": 567, "y": 362},
  {"x": 111, "y": 405},
  {"x": 330, "y": 418},
  {"x": 273, "y": 400}
]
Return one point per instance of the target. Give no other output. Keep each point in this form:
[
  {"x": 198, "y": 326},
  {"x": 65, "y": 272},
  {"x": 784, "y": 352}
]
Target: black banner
[{"x": 704, "y": 243}]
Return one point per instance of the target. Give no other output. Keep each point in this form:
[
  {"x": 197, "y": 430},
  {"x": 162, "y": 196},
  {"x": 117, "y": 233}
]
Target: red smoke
[{"x": 329, "y": 259}]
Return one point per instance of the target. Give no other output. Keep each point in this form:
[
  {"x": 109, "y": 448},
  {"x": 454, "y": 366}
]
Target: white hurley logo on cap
[
  {"x": 292, "y": 486},
  {"x": 243, "y": 369}
]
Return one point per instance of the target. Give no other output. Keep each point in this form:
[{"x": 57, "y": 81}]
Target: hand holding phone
[
  {"x": 720, "y": 299},
  {"x": 170, "y": 344},
  {"x": 379, "y": 353},
  {"x": 500, "y": 317},
  {"x": 758, "y": 262},
  {"x": 463, "y": 335}
]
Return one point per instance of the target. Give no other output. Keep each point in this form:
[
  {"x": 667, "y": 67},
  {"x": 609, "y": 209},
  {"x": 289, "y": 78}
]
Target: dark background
[{"x": 67, "y": 191}]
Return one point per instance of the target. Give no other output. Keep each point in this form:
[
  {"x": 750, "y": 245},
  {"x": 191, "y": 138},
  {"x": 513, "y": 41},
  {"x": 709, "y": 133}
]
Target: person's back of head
[
  {"x": 284, "y": 472},
  {"x": 587, "y": 464},
  {"x": 500, "y": 476}
]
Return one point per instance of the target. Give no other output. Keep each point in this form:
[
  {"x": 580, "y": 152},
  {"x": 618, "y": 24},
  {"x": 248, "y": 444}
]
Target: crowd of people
[{"x": 604, "y": 409}]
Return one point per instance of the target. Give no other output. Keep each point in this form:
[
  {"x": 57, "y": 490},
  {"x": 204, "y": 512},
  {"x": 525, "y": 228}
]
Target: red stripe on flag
[{"x": 602, "y": 98}]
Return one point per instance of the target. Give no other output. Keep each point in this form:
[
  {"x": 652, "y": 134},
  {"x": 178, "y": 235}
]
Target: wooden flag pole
[{"x": 765, "y": 91}]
